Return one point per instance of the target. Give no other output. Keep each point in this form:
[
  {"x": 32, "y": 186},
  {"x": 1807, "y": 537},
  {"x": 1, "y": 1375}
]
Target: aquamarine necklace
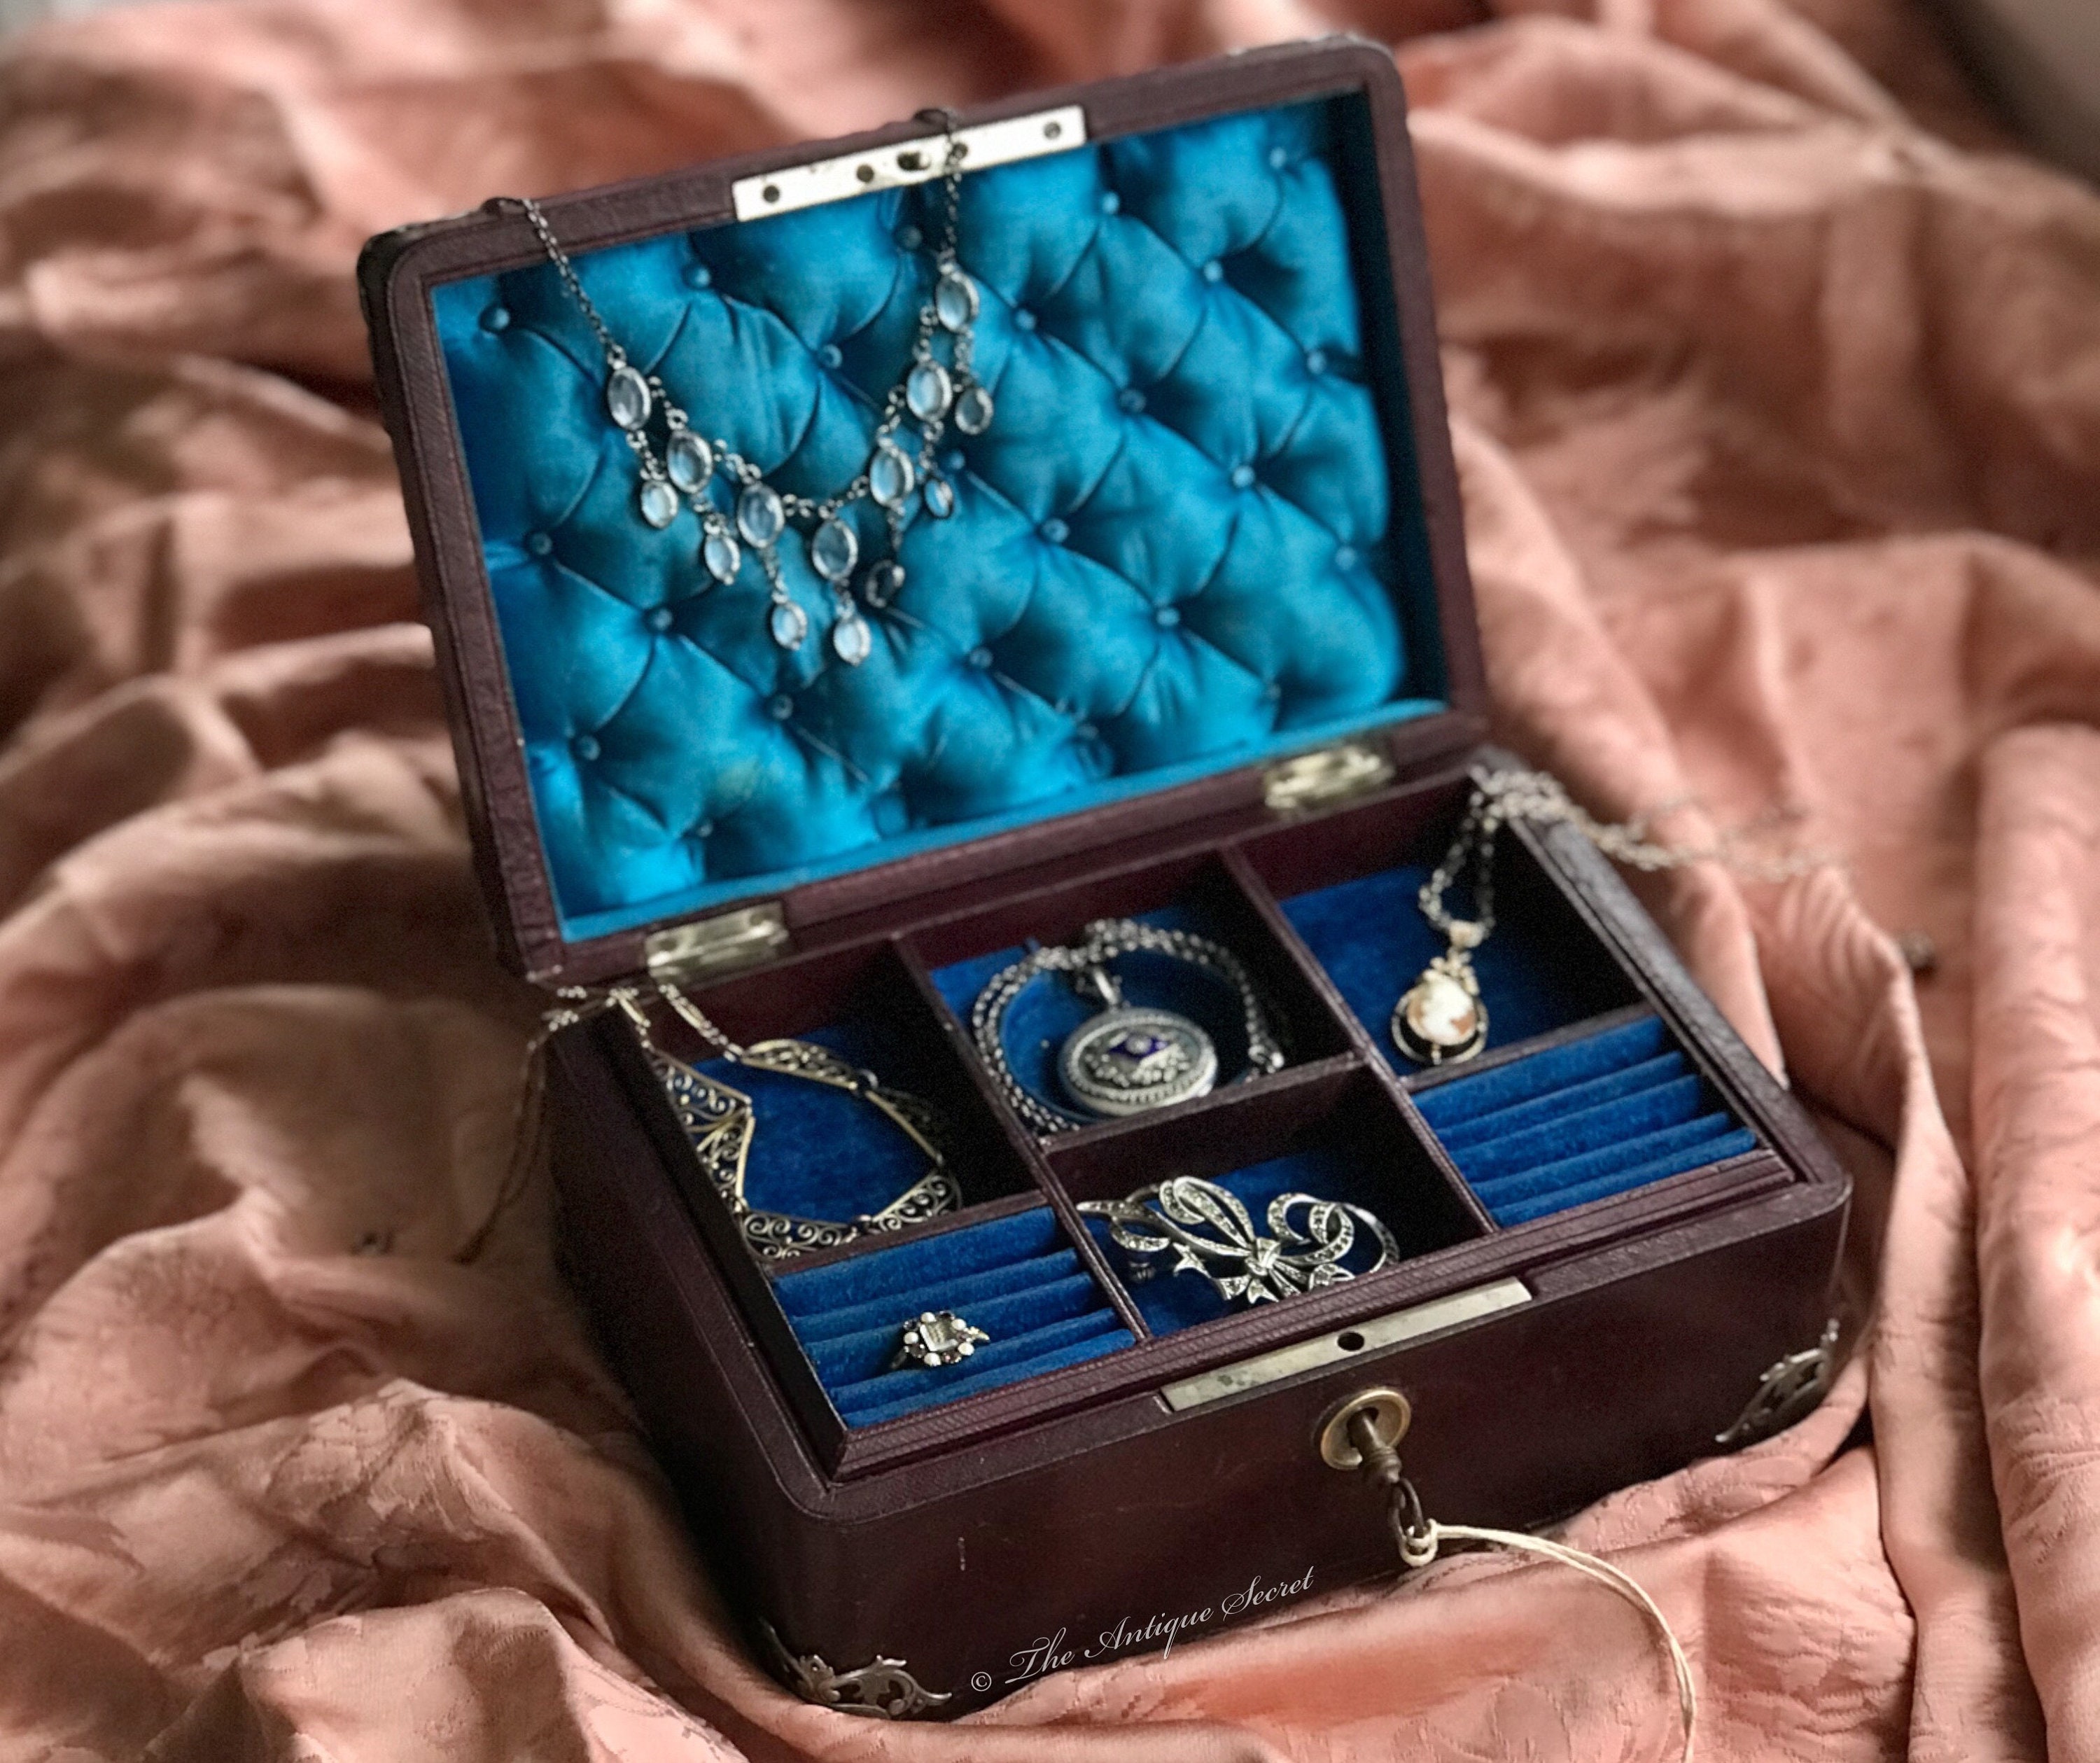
[{"x": 679, "y": 470}]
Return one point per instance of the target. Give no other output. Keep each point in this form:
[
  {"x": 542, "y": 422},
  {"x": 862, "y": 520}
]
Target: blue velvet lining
[
  {"x": 1372, "y": 939},
  {"x": 1015, "y": 1277},
  {"x": 1603, "y": 1114},
  {"x": 1039, "y": 1021},
  {"x": 1178, "y": 548}
]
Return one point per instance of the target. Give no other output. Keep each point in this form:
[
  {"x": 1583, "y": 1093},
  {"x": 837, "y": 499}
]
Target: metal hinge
[
  {"x": 903, "y": 162},
  {"x": 728, "y": 940},
  {"x": 1325, "y": 776}
]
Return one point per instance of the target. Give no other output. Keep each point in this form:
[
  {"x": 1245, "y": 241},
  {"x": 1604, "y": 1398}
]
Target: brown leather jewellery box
[{"x": 1137, "y": 594}]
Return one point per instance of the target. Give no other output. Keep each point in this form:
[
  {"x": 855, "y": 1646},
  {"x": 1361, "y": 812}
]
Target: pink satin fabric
[{"x": 1776, "y": 387}]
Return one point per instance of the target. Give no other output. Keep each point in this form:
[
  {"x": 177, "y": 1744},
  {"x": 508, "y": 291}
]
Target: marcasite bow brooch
[{"x": 1200, "y": 1223}]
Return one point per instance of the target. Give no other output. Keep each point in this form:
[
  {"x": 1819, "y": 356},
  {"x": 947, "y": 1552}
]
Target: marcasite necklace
[
  {"x": 720, "y": 1122},
  {"x": 930, "y": 394},
  {"x": 1441, "y": 1018}
]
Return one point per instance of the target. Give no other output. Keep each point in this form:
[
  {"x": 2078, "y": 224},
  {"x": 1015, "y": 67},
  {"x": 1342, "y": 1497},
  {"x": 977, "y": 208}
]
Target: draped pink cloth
[{"x": 1776, "y": 377}]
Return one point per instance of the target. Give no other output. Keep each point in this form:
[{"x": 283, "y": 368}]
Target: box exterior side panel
[{"x": 1109, "y": 1532}]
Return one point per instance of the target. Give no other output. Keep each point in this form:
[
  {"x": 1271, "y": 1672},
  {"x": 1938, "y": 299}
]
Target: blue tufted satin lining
[
  {"x": 1015, "y": 1277},
  {"x": 1184, "y": 544},
  {"x": 1603, "y": 1114}
]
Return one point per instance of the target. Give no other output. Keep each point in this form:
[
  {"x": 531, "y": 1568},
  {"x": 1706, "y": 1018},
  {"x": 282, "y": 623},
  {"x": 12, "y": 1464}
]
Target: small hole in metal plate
[
  {"x": 866, "y": 173},
  {"x": 1052, "y": 131},
  {"x": 1350, "y": 1342},
  {"x": 771, "y": 193},
  {"x": 911, "y": 161}
]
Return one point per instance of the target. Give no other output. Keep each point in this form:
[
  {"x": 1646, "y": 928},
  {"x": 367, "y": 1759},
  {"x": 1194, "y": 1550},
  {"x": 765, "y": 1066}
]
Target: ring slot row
[
  {"x": 1600, "y": 1115},
  {"x": 1017, "y": 1278}
]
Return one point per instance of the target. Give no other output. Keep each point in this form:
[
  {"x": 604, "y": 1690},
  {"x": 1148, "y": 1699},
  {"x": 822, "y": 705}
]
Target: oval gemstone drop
[
  {"x": 759, "y": 514},
  {"x": 627, "y": 397},
  {"x": 882, "y": 584},
  {"x": 940, "y": 497},
  {"x": 851, "y": 640},
  {"x": 722, "y": 554},
  {"x": 789, "y": 624},
  {"x": 927, "y": 390},
  {"x": 834, "y": 550},
  {"x": 889, "y": 475},
  {"x": 659, "y": 502},
  {"x": 973, "y": 411},
  {"x": 690, "y": 460},
  {"x": 955, "y": 300}
]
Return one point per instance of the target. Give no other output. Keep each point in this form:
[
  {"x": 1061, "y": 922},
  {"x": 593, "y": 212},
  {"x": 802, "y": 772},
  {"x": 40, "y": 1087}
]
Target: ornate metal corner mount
[
  {"x": 1789, "y": 1391},
  {"x": 883, "y": 1689}
]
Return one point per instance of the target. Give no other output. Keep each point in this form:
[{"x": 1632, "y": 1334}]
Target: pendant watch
[
  {"x": 1128, "y": 1060},
  {"x": 1125, "y": 1058}
]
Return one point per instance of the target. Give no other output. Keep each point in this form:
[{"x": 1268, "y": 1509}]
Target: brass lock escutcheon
[{"x": 1387, "y": 1412}]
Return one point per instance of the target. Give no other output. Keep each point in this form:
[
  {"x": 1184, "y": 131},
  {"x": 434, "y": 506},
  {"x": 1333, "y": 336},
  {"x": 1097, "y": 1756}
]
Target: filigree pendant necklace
[
  {"x": 1441, "y": 1018},
  {"x": 930, "y": 394},
  {"x": 720, "y": 1123}
]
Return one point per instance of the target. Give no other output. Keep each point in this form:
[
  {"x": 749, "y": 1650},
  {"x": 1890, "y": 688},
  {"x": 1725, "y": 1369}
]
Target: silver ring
[{"x": 936, "y": 1337}]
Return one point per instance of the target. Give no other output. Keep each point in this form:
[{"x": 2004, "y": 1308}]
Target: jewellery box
[{"x": 1193, "y": 647}]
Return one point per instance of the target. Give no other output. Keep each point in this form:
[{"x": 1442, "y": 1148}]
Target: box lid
[{"x": 1213, "y": 524}]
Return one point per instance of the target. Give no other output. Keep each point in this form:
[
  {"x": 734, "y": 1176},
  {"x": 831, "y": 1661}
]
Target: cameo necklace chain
[
  {"x": 1441, "y": 1018},
  {"x": 930, "y": 394}
]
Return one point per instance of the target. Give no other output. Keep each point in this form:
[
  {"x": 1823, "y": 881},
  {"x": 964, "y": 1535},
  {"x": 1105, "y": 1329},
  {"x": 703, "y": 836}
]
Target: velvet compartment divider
[
  {"x": 1585, "y": 1095},
  {"x": 1197, "y": 894},
  {"x": 1325, "y": 1125},
  {"x": 1334, "y": 1133}
]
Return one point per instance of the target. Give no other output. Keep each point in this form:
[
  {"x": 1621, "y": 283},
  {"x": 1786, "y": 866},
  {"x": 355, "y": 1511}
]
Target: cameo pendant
[
  {"x": 1440, "y": 1019},
  {"x": 1127, "y": 1059}
]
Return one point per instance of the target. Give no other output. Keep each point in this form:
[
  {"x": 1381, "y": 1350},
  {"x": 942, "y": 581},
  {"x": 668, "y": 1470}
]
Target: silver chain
[
  {"x": 1501, "y": 797},
  {"x": 1100, "y": 943},
  {"x": 576, "y": 1004},
  {"x": 697, "y": 1019}
]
